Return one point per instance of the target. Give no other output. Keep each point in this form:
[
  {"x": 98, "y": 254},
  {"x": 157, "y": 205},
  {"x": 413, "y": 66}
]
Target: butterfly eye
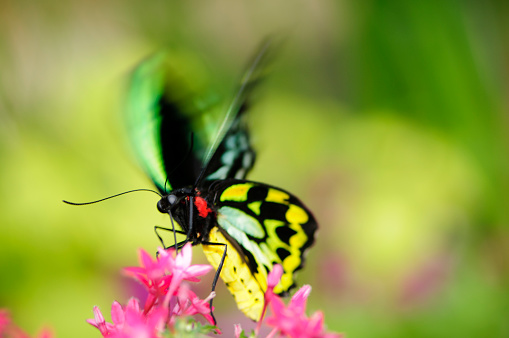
[
  {"x": 167, "y": 203},
  {"x": 171, "y": 199},
  {"x": 161, "y": 206}
]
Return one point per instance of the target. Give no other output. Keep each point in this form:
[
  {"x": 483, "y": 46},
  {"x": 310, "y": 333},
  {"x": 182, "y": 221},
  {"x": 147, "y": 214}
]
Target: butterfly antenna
[{"x": 107, "y": 198}]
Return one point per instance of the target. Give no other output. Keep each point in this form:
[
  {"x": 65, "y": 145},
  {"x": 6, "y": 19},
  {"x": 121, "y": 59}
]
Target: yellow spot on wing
[
  {"x": 291, "y": 263},
  {"x": 296, "y": 214},
  {"x": 277, "y": 196},
  {"x": 255, "y": 207},
  {"x": 272, "y": 224},
  {"x": 298, "y": 240},
  {"x": 294, "y": 218},
  {"x": 286, "y": 282},
  {"x": 237, "y": 192},
  {"x": 244, "y": 287}
]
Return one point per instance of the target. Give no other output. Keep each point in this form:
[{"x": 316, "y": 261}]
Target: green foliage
[{"x": 188, "y": 328}]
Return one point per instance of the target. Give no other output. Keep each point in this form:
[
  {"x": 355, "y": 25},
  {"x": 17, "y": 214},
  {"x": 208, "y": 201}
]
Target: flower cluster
[
  {"x": 289, "y": 321},
  {"x": 169, "y": 299},
  {"x": 171, "y": 306}
]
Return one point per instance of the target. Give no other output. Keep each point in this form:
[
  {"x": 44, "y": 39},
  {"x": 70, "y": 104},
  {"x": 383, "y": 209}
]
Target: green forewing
[
  {"x": 175, "y": 127},
  {"x": 166, "y": 115}
]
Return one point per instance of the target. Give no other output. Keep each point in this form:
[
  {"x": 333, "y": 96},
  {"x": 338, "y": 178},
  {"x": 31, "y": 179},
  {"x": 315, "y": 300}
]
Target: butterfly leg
[
  {"x": 218, "y": 272},
  {"x": 158, "y": 228},
  {"x": 175, "y": 231},
  {"x": 191, "y": 209}
]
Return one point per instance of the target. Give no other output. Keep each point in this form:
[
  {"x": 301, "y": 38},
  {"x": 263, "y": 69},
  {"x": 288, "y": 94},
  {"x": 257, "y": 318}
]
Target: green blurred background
[{"x": 388, "y": 118}]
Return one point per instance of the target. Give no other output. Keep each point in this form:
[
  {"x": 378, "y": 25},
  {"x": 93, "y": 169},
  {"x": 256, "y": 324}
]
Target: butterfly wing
[
  {"x": 247, "y": 290},
  {"x": 168, "y": 121},
  {"x": 173, "y": 129},
  {"x": 262, "y": 225},
  {"x": 231, "y": 154}
]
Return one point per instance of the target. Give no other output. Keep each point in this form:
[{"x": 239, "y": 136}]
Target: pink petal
[
  {"x": 166, "y": 259},
  {"x": 277, "y": 306},
  {"x": 272, "y": 280},
  {"x": 133, "y": 317},
  {"x": 135, "y": 270},
  {"x": 185, "y": 256},
  {"x": 197, "y": 270},
  {"x": 274, "y": 276},
  {"x": 117, "y": 314},
  {"x": 138, "y": 273},
  {"x": 99, "y": 321},
  {"x": 299, "y": 299},
  {"x": 133, "y": 304},
  {"x": 238, "y": 330},
  {"x": 98, "y": 316},
  {"x": 149, "y": 303},
  {"x": 145, "y": 259},
  {"x": 315, "y": 323},
  {"x": 166, "y": 254},
  {"x": 157, "y": 318}
]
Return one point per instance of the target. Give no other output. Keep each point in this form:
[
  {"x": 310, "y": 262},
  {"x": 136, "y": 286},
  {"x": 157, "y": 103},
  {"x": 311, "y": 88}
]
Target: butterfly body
[
  {"x": 245, "y": 227},
  {"x": 185, "y": 203},
  {"x": 261, "y": 226}
]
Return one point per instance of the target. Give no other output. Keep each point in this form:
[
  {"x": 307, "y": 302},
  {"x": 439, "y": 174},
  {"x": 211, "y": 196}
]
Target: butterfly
[{"x": 199, "y": 160}]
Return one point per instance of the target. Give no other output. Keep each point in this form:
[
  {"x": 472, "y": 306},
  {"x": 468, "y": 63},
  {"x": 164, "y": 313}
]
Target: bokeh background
[{"x": 388, "y": 118}]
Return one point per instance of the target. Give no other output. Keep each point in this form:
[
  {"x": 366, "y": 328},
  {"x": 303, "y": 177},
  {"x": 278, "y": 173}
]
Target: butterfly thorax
[{"x": 191, "y": 210}]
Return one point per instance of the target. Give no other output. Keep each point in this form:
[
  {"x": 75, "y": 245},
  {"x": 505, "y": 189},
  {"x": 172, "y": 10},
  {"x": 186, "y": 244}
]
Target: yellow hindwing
[{"x": 244, "y": 287}]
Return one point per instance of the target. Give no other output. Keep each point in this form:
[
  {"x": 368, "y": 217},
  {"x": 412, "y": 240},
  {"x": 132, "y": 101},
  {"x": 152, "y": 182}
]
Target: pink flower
[
  {"x": 170, "y": 299},
  {"x": 291, "y": 321},
  {"x": 274, "y": 276},
  {"x": 100, "y": 323},
  {"x": 189, "y": 304},
  {"x": 238, "y": 330},
  {"x": 182, "y": 269},
  {"x": 273, "y": 279},
  {"x": 138, "y": 324},
  {"x": 151, "y": 271},
  {"x": 130, "y": 322},
  {"x": 163, "y": 275},
  {"x": 152, "y": 274}
]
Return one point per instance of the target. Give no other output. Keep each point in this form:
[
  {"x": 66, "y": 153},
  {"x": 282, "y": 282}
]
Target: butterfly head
[{"x": 174, "y": 199}]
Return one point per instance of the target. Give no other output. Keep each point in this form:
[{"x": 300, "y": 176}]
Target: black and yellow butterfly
[{"x": 199, "y": 165}]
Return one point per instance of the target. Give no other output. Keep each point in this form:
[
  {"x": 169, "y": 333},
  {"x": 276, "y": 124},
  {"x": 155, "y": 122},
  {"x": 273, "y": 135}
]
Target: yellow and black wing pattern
[{"x": 262, "y": 225}]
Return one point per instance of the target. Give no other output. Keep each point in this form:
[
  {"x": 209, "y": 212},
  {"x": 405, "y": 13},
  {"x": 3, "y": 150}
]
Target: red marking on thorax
[{"x": 202, "y": 207}]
